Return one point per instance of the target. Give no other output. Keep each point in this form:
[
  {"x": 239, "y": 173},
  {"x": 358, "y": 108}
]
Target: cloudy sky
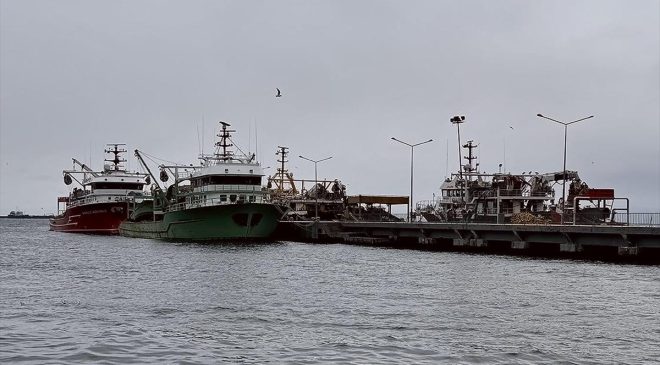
[{"x": 75, "y": 75}]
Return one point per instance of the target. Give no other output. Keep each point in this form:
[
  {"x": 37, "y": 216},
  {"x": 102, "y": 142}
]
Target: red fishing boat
[{"x": 104, "y": 199}]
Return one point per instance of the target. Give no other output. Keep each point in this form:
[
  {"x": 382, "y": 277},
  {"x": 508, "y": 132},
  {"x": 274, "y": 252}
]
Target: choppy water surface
[{"x": 67, "y": 298}]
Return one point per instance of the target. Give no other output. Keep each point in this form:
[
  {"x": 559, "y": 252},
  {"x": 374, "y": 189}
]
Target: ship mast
[
  {"x": 282, "y": 176},
  {"x": 116, "y": 150},
  {"x": 224, "y": 143},
  {"x": 282, "y": 153},
  {"x": 470, "y": 146}
]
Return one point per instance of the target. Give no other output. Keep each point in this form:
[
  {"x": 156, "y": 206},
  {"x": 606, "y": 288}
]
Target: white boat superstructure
[
  {"x": 103, "y": 200},
  {"x": 113, "y": 184},
  {"x": 224, "y": 177}
]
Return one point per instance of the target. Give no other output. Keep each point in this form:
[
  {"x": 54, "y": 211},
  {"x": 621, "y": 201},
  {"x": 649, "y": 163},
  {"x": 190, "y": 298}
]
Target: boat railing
[
  {"x": 209, "y": 203},
  {"x": 426, "y": 205},
  {"x": 184, "y": 175},
  {"x": 105, "y": 198},
  {"x": 636, "y": 219},
  {"x": 504, "y": 193},
  {"x": 505, "y": 211},
  {"x": 456, "y": 197},
  {"x": 231, "y": 188}
]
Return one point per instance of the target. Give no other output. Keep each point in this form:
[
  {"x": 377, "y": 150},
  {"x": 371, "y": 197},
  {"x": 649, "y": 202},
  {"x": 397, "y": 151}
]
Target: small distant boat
[
  {"x": 20, "y": 215},
  {"x": 104, "y": 199},
  {"x": 222, "y": 199},
  {"x": 17, "y": 214}
]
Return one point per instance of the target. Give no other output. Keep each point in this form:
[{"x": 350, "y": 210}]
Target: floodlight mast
[{"x": 457, "y": 120}]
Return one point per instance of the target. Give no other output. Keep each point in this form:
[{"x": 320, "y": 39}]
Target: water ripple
[{"x": 105, "y": 300}]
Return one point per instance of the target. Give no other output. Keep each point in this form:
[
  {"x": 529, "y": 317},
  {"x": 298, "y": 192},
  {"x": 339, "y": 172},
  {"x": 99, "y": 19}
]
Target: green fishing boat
[{"x": 222, "y": 199}]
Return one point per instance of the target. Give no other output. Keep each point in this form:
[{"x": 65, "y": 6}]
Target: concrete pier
[{"x": 627, "y": 243}]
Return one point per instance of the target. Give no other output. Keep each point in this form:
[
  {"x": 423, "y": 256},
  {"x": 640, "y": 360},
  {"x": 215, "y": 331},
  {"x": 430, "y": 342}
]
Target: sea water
[{"x": 70, "y": 298}]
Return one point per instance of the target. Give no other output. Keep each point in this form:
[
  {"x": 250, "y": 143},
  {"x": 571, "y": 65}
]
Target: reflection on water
[{"x": 75, "y": 298}]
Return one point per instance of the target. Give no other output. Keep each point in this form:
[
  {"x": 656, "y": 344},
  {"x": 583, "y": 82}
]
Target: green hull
[{"x": 212, "y": 223}]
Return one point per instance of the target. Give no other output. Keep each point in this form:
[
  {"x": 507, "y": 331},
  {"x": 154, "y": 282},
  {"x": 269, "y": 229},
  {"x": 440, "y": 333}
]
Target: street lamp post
[
  {"x": 316, "y": 184},
  {"x": 563, "y": 185},
  {"x": 412, "y": 155},
  {"x": 458, "y": 119}
]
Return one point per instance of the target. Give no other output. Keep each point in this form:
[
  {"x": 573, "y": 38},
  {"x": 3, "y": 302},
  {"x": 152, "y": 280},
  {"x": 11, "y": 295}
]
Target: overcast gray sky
[{"x": 75, "y": 75}]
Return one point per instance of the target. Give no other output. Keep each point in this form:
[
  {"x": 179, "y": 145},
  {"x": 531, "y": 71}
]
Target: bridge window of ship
[
  {"x": 223, "y": 198},
  {"x": 232, "y": 198},
  {"x": 252, "y": 198},
  {"x": 114, "y": 185},
  {"x": 227, "y": 180}
]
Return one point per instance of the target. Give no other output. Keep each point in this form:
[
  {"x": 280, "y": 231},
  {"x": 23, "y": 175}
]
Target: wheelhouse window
[
  {"x": 225, "y": 180},
  {"x": 116, "y": 185}
]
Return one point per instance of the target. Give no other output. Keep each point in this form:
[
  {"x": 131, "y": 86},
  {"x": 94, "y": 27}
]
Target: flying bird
[
  {"x": 279, "y": 94},
  {"x": 511, "y": 127}
]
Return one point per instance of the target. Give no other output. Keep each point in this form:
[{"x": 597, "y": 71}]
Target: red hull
[{"x": 99, "y": 218}]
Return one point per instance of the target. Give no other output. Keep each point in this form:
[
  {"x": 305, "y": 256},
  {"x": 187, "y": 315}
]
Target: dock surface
[{"x": 583, "y": 241}]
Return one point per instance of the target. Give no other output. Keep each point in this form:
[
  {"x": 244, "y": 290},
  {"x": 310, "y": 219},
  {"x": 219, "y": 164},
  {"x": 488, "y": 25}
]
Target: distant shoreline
[{"x": 27, "y": 217}]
